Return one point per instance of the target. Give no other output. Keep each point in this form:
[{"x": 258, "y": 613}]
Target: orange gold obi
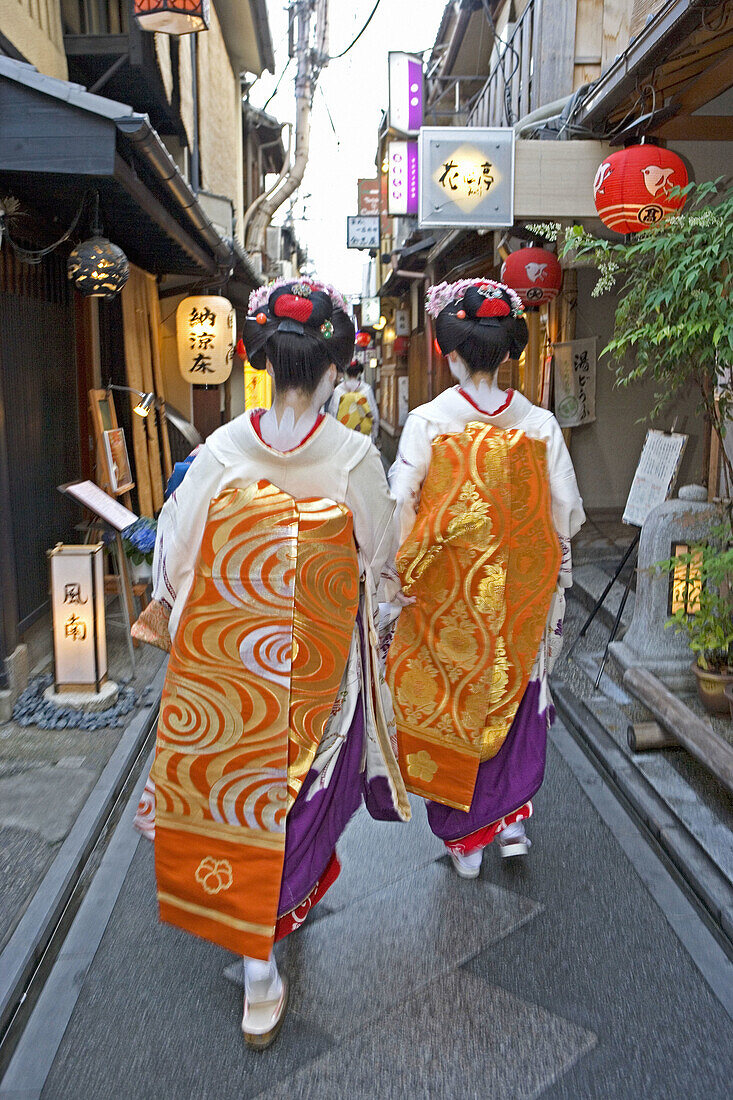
[
  {"x": 255, "y": 667},
  {"x": 482, "y": 561}
]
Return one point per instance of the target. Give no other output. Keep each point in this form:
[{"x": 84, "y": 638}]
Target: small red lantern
[
  {"x": 173, "y": 16},
  {"x": 363, "y": 339},
  {"x": 632, "y": 187},
  {"x": 534, "y": 273}
]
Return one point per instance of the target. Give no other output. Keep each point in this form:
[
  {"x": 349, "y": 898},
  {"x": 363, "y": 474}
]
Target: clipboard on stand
[{"x": 654, "y": 479}]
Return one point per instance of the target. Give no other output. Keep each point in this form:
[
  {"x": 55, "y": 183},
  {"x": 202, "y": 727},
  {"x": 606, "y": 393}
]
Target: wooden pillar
[{"x": 532, "y": 372}]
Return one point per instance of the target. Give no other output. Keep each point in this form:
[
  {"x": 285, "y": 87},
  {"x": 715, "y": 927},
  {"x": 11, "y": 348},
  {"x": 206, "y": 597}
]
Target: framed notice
[
  {"x": 118, "y": 462},
  {"x": 362, "y": 231},
  {"x": 655, "y": 475}
]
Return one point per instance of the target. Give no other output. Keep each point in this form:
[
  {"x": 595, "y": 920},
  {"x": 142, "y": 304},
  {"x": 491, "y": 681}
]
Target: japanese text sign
[
  {"x": 575, "y": 382},
  {"x": 77, "y": 598},
  {"x": 362, "y": 231},
  {"x": 466, "y": 177}
]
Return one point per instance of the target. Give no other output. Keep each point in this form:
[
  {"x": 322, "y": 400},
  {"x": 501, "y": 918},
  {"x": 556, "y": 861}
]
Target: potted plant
[
  {"x": 138, "y": 541},
  {"x": 707, "y": 617}
]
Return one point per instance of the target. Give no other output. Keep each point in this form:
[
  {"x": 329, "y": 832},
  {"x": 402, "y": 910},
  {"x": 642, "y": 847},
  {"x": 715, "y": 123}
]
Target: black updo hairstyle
[
  {"x": 482, "y": 326},
  {"x": 354, "y": 369},
  {"x": 301, "y": 331}
]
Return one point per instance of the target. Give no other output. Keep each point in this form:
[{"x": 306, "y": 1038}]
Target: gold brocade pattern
[
  {"x": 482, "y": 561},
  {"x": 255, "y": 666}
]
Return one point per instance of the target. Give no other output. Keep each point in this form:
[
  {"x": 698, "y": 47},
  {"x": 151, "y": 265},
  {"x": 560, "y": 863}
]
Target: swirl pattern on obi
[
  {"x": 255, "y": 666},
  {"x": 482, "y": 561}
]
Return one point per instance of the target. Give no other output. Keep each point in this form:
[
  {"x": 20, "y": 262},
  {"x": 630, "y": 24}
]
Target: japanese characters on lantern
[
  {"x": 77, "y": 599},
  {"x": 633, "y": 188},
  {"x": 206, "y": 338}
]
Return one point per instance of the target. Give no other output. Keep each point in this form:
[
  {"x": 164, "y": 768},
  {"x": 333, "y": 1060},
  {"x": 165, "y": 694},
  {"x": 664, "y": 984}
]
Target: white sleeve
[
  {"x": 567, "y": 504},
  {"x": 372, "y": 506},
  {"x": 181, "y": 526},
  {"x": 409, "y": 470}
]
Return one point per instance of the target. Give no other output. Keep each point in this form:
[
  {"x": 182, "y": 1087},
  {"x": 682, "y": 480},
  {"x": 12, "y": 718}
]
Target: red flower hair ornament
[{"x": 301, "y": 307}]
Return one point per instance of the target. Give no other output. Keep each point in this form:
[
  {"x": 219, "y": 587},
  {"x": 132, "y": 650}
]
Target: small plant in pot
[
  {"x": 138, "y": 541},
  {"x": 709, "y": 622}
]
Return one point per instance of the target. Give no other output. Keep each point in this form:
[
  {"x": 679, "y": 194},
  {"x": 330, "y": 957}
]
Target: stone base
[
  {"x": 676, "y": 674},
  {"x": 16, "y": 670},
  {"x": 85, "y": 700}
]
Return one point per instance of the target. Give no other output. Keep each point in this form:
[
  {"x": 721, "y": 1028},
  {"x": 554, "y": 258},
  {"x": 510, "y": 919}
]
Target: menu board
[{"x": 655, "y": 474}]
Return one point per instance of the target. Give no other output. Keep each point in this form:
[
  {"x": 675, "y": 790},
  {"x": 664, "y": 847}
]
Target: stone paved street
[{"x": 558, "y": 976}]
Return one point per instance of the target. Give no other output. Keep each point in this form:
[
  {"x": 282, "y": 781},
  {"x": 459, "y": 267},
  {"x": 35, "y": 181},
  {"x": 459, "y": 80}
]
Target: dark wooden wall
[{"x": 38, "y": 391}]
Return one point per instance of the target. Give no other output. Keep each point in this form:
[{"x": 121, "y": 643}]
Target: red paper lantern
[
  {"x": 173, "y": 16},
  {"x": 363, "y": 339},
  {"x": 632, "y": 187},
  {"x": 534, "y": 273}
]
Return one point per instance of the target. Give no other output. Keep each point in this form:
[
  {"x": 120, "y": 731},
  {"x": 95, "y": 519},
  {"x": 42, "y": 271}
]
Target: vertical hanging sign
[
  {"x": 405, "y": 92},
  {"x": 403, "y": 177}
]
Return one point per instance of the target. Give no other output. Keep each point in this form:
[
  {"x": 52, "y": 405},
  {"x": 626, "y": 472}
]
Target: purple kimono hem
[
  {"x": 313, "y": 826},
  {"x": 505, "y": 782}
]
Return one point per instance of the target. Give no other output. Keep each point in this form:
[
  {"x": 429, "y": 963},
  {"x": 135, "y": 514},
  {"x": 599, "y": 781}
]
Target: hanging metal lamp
[{"x": 98, "y": 268}]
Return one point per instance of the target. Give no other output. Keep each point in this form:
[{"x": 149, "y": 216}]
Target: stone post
[{"x": 647, "y": 643}]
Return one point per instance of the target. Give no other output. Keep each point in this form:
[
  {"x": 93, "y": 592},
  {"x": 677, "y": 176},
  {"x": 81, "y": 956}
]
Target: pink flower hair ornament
[
  {"x": 261, "y": 294},
  {"x": 444, "y": 294}
]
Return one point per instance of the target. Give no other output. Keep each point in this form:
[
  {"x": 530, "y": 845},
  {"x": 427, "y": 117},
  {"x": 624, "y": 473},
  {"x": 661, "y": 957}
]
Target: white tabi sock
[
  {"x": 515, "y": 831},
  {"x": 262, "y": 981}
]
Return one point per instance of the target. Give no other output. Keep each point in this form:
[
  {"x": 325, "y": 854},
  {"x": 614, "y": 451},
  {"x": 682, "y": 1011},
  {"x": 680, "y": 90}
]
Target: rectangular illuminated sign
[
  {"x": 403, "y": 178},
  {"x": 466, "y": 177},
  {"x": 405, "y": 92}
]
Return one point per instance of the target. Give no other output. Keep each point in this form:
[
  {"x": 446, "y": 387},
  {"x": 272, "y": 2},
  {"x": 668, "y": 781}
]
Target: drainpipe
[
  {"x": 195, "y": 156},
  {"x": 542, "y": 114}
]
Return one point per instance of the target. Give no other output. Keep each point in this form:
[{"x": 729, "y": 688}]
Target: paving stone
[
  {"x": 509, "y": 1047},
  {"x": 45, "y": 800},
  {"x": 24, "y": 858},
  {"x": 449, "y": 920},
  {"x": 376, "y": 853}
]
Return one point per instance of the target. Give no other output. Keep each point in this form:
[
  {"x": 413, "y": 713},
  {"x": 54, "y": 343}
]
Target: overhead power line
[{"x": 372, "y": 13}]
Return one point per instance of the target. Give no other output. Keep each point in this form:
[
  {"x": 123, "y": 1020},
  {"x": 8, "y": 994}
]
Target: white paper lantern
[
  {"x": 77, "y": 598},
  {"x": 205, "y": 326}
]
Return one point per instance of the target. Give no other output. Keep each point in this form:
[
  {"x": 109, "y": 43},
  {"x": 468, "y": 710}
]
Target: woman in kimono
[
  {"x": 354, "y": 404},
  {"x": 275, "y": 722},
  {"x": 487, "y": 504}
]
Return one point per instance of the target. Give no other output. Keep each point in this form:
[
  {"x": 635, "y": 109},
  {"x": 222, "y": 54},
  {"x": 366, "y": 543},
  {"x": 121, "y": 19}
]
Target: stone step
[{"x": 589, "y": 582}]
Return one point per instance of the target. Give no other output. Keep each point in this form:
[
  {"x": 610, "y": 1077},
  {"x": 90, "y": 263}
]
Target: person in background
[
  {"x": 487, "y": 503},
  {"x": 275, "y": 721},
  {"x": 353, "y": 403}
]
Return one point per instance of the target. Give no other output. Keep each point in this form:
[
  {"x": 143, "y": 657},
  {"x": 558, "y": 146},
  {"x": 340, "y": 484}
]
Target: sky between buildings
[{"x": 354, "y": 91}]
